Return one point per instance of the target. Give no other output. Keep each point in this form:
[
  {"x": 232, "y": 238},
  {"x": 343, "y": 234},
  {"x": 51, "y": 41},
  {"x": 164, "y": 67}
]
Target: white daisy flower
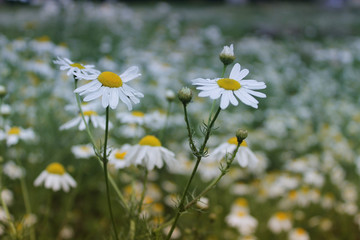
[
  {"x": 13, "y": 171},
  {"x": 83, "y": 151},
  {"x": 90, "y": 117},
  {"x": 134, "y": 117},
  {"x": 111, "y": 87},
  {"x": 228, "y": 88},
  {"x": 75, "y": 69},
  {"x": 55, "y": 177},
  {"x": 244, "y": 156},
  {"x": 117, "y": 158},
  {"x": 14, "y": 134},
  {"x": 280, "y": 222},
  {"x": 298, "y": 234},
  {"x": 228, "y": 51},
  {"x": 149, "y": 153},
  {"x": 243, "y": 221}
]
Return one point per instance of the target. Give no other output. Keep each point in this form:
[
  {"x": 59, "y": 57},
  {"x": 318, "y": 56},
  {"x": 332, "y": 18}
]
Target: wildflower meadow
[{"x": 167, "y": 121}]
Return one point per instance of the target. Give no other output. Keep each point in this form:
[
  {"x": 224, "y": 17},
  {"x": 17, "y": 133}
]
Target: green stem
[
  {"x": 181, "y": 207},
  {"x": 105, "y": 162},
  {"x": 143, "y": 191},
  {"x": 168, "y": 111},
  {"x": 188, "y": 127},
  {"x": 25, "y": 193},
  {"x": 215, "y": 181}
]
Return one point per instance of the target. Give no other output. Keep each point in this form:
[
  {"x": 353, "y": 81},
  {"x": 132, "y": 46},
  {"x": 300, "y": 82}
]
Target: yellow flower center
[
  {"x": 110, "y": 79},
  {"x": 55, "y": 168},
  {"x": 89, "y": 113},
  {"x": 137, "y": 114},
  {"x": 14, "y": 131},
  {"x": 228, "y": 84},
  {"x": 77, "y": 65},
  {"x": 241, "y": 214},
  {"x": 242, "y": 202},
  {"x": 120, "y": 155},
  {"x": 150, "y": 140},
  {"x": 300, "y": 231},
  {"x": 43, "y": 39},
  {"x": 292, "y": 194},
  {"x": 234, "y": 141},
  {"x": 85, "y": 148},
  {"x": 281, "y": 216}
]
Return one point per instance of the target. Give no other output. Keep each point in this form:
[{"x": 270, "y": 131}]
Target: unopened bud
[
  {"x": 2, "y": 91},
  {"x": 185, "y": 95},
  {"x": 241, "y": 134},
  {"x": 227, "y": 55},
  {"x": 170, "y": 95}
]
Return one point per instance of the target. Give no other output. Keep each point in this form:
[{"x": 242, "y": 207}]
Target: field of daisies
[{"x": 169, "y": 122}]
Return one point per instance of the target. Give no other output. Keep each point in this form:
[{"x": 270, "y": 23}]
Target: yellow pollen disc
[
  {"x": 55, "y": 168},
  {"x": 120, "y": 155},
  {"x": 137, "y": 114},
  {"x": 77, "y": 65},
  {"x": 89, "y": 113},
  {"x": 241, "y": 202},
  {"x": 110, "y": 79},
  {"x": 148, "y": 200},
  {"x": 228, "y": 84},
  {"x": 43, "y": 39},
  {"x": 300, "y": 231},
  {"x": 292, "y": 194},
  {"x": 85, "y": 148},
  {"x": 158, "y": 207},
  {"x": 234, "y": 141},
  {"x": 281, "y": 216},
  {"x": 241, "y": 214},
  {"x": 14, "y": 131},
  {"x": 150, "y": 140}
]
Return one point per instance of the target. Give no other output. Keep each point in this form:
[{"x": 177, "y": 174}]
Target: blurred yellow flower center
[
  {"x": 110, "y": 79},
  {"x": 120, "y": 155},
  {"x": 137, "y": 114},
  {"x": 89, "y": 113},
  {"x": 85, "y": 148},
  {"x": 55, "y": 168},
  {"x": 228, "y": 84},
  {"x": 300, "y": 231},
  {"x": 241, "y": 214},
  {"x": 234, "y": 141},
  {"x": 77, "y": 65},
  {"x": 241, "y": 202},
  {"x": 43, "y": 39},
  {"x": 281, "y": 216},
  {"x": 14, "y": 131},
  {"x": 292, "y": 194},
  {"x": 150, "y": 140}
]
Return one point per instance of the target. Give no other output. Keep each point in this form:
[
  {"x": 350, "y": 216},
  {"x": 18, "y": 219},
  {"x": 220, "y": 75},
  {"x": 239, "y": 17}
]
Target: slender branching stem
[
  {"x": 143, "y": 191},
  {"x": 105, "y": 162},
  {"x": 189, "y": 129},
  {"x": 199, "y": 155}
]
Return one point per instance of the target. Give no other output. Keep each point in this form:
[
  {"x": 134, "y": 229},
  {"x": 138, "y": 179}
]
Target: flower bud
[
  {"x": 227, "y": 55},
  {"x": 2, "y": 91},
  {"x": 241, "y": 134},
  {"x": 185, "y": 95},
  {"x": 170, "y": 95}
]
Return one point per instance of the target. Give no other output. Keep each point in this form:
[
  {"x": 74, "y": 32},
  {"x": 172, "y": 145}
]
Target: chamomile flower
[
  {"x": 298, "y": 234},
  {"x": 149, "y": 153},
  {"x": 110, "y": 87},
  {"x": 280, "y": 222},
  {"x": 134, "y": 117},
  {"x": 90, "y": 117},
  {"x": 228, "y": 88},
  {"x": 14, "y": 134},
  {"x": 55, "y": 177},
  {"x": 244, "y": 156},
  {"x": 117, "y": 158},
  {"x": 75, "y": 69},
  {"x": 83, "y": 151},
  {"x": 13, "y": 171},
  {"x": 243, "y": 221}
]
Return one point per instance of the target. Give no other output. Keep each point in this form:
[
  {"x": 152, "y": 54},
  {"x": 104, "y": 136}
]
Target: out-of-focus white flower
[
  {"x": 111, "y": 87},
  {"x": 7, "y": 196},
  {"x": 29, "y": 220},
  {"x": 242, "y": 221},
  {"x": 134, "y": 117},
  {"x": 55, "y": 177},
  {"x": 66, "y": 232},
  {"x": 117, "y": 158},
  {"x": 14, "y": 134},
  {"x": 228, "y": 88},
  {"x": 298, "y": 234},
  {"x": 13, "y": 171},
  {"x": 90, "y": 117},
  {"x": 149, "y": 153},
  {"x": 83, "y": 151},
  {"x": 176, "y": 233},
  {"x": 280, "y": 222},
  {"x": 203, "y": 203}
]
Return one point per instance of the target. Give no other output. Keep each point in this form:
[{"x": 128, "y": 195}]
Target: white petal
[
  {"x": 71, "y": 123},
  {"x": 105, "y": 97},
  {"x": 130, "y": 74},
  {"x": 235, "y": 72},
  {"x": 224, "y": 102},
  {"x": 85, "y": 87},
  {"x": 114, "y": 98},
  {"x": 94, "y": 95}
]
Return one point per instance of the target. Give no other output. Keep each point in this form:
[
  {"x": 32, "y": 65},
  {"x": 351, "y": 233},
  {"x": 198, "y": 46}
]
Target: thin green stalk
[
  {"x": 143, "y": 191},
  {"x": 188, "y": 127},
  {"x": 168, "y": 111},
  {"x": 25, "y": 193},
  {"x": 200, "y": 153},
  {"x": 105, "y": 162},
  {"x": 215, "y": 181}
]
